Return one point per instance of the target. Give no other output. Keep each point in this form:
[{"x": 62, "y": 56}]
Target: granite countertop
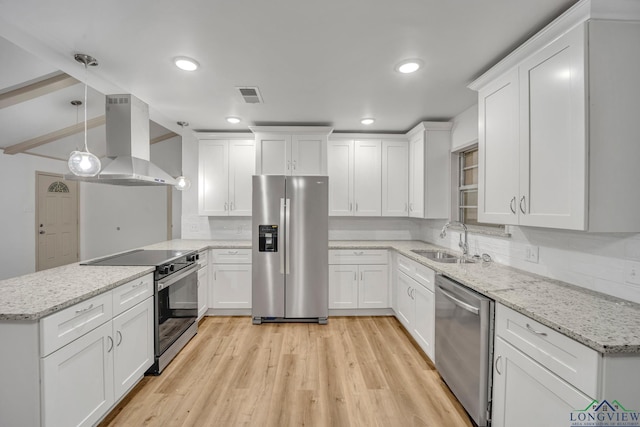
[{"x": 604, "y": 323}]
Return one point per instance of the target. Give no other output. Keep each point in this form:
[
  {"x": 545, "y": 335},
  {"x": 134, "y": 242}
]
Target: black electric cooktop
[{"x": 140, "y": 257}]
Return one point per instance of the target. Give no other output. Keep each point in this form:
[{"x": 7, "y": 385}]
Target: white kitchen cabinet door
[
  {"x": 134, "y": 346},
  {"x": 273, "y": 154},
  {"x": 423, "y": 328},
  {"x": 340, "y": 169},
  {"x": 308, "y": 155},
  {"x": 553, "y": 152},
  {"x": 498, "y": 150},
  {"x": 241, "y": 170},
  {"x": 404, "y": 300},
  {"x": 367, "y": 187},
  {"x": 231, "y": 286},
  {"x": 395, "y": 178},
  {"x": 213, "y": 177},
  {"x": 527, "y": 395},
  {"x": 416, "y": 176},
  {"x": 77, "y": 380},
  {"x": 203, "y": 291},
  {"x": 343, "y": 286},
  {"x": 373, "y": 286}
]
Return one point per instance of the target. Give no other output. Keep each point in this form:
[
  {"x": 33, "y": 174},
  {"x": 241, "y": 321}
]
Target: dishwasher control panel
[{"x": 267, "y": 238}]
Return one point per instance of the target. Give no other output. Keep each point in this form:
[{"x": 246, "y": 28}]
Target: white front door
[{"x": 56, "y": 221}]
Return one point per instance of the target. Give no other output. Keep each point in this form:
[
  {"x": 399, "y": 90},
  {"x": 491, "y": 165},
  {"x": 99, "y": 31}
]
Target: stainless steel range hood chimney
[{"x": 128, "y": 148}]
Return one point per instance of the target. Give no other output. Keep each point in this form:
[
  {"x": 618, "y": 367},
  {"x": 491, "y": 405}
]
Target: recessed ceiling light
[
  {"x": 233, "y": 120},
  {"x": 409, "y": 66},
  {"x": 186, "y": 64},
  {"x": 367, "y": 121}
]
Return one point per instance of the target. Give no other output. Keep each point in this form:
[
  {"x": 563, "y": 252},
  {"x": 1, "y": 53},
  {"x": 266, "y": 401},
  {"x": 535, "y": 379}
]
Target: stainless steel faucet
[{"x": 463, "y": 245}]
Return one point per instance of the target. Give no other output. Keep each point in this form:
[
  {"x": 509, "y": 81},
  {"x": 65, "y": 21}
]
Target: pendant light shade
[
  {"x": 183, "y": 183},
  {"x": 84, "y": 163}
]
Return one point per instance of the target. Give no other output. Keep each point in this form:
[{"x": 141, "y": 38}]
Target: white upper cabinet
[
  {"x": 395, "y": 178},
  {"x": 224, "y": 177},
  {"x": 498, "y": 147},
  {"x": 291, "y": 150},
  {"x": 355, "y": 177},
  {"x": 558, "y": 125},
  {"x": 429, "y": 166}
]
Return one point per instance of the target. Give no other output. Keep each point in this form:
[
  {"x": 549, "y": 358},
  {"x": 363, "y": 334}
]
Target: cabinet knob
[
  {"x": 512, "y": 205},
  {"x": 523, "y": 206},
  {"x": 42, "y": 232}
]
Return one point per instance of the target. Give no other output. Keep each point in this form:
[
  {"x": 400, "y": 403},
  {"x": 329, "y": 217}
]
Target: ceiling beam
[
  {"x": 54, "y": 136},
  {"x": 163, "y": 137},
  {"x": 34, "y": 90}
]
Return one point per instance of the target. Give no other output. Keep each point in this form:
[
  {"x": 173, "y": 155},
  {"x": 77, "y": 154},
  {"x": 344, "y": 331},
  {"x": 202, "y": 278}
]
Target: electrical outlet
[
  {"x": 632, "y": 272},
  {"x": 531, "y": 253},
  {"x": 194, "y": 227}
]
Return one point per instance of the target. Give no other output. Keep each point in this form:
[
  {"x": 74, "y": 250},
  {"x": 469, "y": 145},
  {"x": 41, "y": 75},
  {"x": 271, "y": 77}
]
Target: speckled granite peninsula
[{"x": 604, "y": 323}]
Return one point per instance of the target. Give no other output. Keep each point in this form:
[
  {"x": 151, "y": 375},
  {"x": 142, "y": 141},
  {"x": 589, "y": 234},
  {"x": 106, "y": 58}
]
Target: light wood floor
[{"x": 355, "y": 371}]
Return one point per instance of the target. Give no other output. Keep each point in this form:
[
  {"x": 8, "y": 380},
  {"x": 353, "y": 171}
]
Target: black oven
[
  {"x": 175, "y": 297},
  {"x": 176, "y": 312}
]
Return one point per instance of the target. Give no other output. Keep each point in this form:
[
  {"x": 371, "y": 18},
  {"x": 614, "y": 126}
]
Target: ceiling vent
[{"x": 250, "y": 95}]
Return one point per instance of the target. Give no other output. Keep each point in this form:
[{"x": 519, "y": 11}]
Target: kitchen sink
[{"x": 441, "y": 256}]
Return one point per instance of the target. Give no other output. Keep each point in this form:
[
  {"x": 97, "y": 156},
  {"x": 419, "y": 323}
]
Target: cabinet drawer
[
  {"x": 567, "y": 358},
  {"x": 130, "y": 294},
  {"x": 231, "y": 256},
  {"x": 60, "y": 328},
  {"x": 358, "y": 256},
  {"x": 422, "y": 274}
]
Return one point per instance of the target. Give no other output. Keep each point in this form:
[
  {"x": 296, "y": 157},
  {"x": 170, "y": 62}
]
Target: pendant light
[
  {"x": 84, "y": 163},
  {"x": 182, "y": 182}
]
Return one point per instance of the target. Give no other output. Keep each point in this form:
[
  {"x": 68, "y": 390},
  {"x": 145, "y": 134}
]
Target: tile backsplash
[{"x": 608, "y": 263}]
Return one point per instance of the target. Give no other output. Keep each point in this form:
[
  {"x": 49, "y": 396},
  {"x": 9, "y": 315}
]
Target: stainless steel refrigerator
[{"x": 290, "y": 254}]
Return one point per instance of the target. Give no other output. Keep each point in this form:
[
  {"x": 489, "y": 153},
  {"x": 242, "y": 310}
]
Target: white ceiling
[{"x": 316, "y": 62}]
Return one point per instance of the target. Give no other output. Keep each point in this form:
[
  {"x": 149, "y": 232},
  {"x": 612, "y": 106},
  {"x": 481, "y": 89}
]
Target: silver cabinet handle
[
  {"x": 215, "y": 274},
  {"x": 523, "y": 209},
  {"x": 409, "y": 291},
  {"x": 459, "y": 303},
  {"x": 225, "y": 205},
  {"x": 355, "y": 276},
  {"x": 42, "y": 232},
  {"x": 111, "y": 342},
  {"x": 282, "y": 222},
  {"x": 119, "y": 338},
  {"x": 542, "y": 334},
  {"x": 232, "y": 252},
  {"x": 350, "y": 206},
  {"x": 294, "y": 165},
  {"x": 287, "y": 236},
  {"x": 288, "y": 164},
  {"x": 137, "y": 285},
  {"x": 361, "y": 275},
  {"x": 512, "y": 205},
  {"x": 356, "y": 206},
  {"x": 413, "y": 293},
  {"x": 83, "y": 310},
  {"x": 411, "y": 207},
  {"x": 496, "y": 364},
  {"x": 358, "y": 252},
  {"x": 231, "y": 206}
]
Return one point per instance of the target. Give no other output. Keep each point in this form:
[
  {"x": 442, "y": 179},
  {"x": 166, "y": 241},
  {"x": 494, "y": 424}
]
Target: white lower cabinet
[
  {"x": 544, "y": 378},
  {"x": 81, "y": 380},
  {"x": 363, "y": 286},
  {"x": 230, "y": 279},
  {"x": 77, "y": 380},
  {"x": 358, "y": 279},
  {"x": 415, "y": 302},
  {"x": 203, "y": 283},
  {"x": 527, "y": 394}
]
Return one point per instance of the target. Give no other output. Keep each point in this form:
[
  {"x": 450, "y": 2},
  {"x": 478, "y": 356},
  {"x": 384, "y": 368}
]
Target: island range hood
[{"x": 128, "y": 148}]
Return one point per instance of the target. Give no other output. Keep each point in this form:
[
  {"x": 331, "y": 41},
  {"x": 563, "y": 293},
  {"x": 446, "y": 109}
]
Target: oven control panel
[{"x": 268, "y": 238}]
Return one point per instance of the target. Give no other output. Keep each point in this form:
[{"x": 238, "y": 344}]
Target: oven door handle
[
  {"x": 459, "y": 303},
  {"x": 176, "y": 277}
]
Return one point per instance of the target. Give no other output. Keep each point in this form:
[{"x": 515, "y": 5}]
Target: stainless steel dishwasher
[{"x": 464, "y": 345}]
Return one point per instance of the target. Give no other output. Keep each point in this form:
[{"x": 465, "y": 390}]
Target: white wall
[
  {"x": 465, "y": 129},
  {"x": 140, "y": 212},
  {"x": 17, "y": 211}
]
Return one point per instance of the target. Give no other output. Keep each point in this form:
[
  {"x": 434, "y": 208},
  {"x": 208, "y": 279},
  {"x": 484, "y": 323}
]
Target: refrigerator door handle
[
  {"x": 282, "y": 223},
  {"x": 287, "y": 227}
]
